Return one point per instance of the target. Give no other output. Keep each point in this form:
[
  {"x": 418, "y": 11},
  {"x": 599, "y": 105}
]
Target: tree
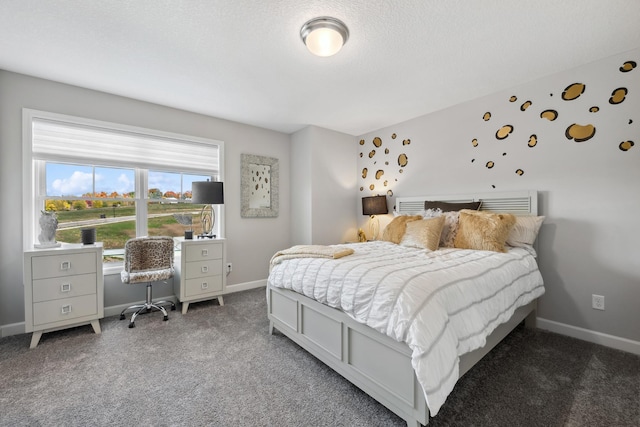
[{"x": 79, "y": 205}]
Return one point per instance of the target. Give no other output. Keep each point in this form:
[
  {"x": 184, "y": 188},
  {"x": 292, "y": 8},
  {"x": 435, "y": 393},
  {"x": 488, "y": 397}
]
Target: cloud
[{"x": 77, "y": 184}]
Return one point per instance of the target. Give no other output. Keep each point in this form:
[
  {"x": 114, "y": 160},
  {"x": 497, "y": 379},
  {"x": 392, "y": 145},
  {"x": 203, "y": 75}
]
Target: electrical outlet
[
  {"x": 229, "y": 267},
  {"x": 597, "y": 302}
]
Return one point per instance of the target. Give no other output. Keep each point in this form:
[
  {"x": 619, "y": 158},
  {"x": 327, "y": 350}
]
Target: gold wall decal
[
  {"x": 513, "y": 98},
  {"x": 372, "y": 187},
  {"x": 377, "y": 142},
  {"x": 626, "y": 145},
  {"x": 628, "y": 66},
  {"x": 618, "y": 95},
  {"x": 402, "y": 160},
  {"x": 364, "y": 172},
  {"x": 519, "y": 172},
  {"x": 372, "y": 153},
  {"x": 406, "y": 142},
  {"x": 474, "y": 142},
  {"x": 490, "y": 164},
  {"x": 379, "y": 173},
  {"x": 533, "y": 141},
  {"x": 361, "y": 188},
  {"x": 386, "y": 183},
  {"x": 362, "y": 142},
  {"x": 504, "y": 131},
  {"x": 580, "y": 133},
  {"x": 526, "y": 105},
  {"x": 550, "y": 115},
  {"x": 389, "y": 193},
  {"x": 386, "y": 151},
  {"x": 594, "y": 109},
  {"x": 360, "y": 154},
  {"x": 573, "y": 91},
  {"x": 486, "y": 116},
  {"x": 393, "y": 136}
]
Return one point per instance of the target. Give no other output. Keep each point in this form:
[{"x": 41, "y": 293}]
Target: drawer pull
[
  {"x": 65, "y": 265},
  {"x": 205, "y": 285},
  {"x": 205, "y": 252},
  {"x": 66, "y": 309},
  {"x": 205, "y": 268},
  {"x": 65, "y": 287}
]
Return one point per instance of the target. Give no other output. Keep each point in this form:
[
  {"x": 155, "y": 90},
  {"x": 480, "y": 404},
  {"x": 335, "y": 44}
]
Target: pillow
[
  {"x": 448, "y": 206},
  {"x": 484, "y": 231},
  {"x": 525, "y": 231},
  {"x": 450, "y": 225},
  {"x": 394, "y": 231},
  {"x": 423, "y": 234}
]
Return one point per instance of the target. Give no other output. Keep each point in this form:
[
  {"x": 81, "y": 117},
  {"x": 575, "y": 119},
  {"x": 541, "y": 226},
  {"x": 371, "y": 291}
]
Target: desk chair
[{"x": 146, "y": 260}]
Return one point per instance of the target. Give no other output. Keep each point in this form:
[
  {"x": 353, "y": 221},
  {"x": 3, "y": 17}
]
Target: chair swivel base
[{"x": 147, "y": 308}]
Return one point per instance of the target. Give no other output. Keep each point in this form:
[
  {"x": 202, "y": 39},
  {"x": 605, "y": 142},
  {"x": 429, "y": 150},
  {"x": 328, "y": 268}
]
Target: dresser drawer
[
  {"x": 203, "y": 285},
  {"x": 63, "y": 265},
  {"x": 204, "y": 252},
  {"x": 64, "y": 287},
  {"x": 64, "y": 309},
  {"x": 203, "y": 268}
]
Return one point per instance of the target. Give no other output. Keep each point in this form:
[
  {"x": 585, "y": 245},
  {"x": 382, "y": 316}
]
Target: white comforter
[{"x": 442, "y": 304}]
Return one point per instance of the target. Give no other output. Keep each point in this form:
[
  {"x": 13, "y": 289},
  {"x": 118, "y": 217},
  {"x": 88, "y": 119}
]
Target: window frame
[{"x": 34, "y": 177}]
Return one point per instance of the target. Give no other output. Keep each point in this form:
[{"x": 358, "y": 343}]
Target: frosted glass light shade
[{"x": 324, "y": 36}]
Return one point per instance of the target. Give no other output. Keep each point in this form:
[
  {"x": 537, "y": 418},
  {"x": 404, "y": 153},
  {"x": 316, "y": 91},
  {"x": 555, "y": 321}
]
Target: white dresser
[
  {"x": 63, "y": 288},
  {"x": 200, "y": 272}
]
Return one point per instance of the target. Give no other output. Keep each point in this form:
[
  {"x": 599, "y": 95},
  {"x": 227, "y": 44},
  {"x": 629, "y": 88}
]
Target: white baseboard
[
  {"x": 246, "y": 286},
  {"x": 607, "y": 340}
]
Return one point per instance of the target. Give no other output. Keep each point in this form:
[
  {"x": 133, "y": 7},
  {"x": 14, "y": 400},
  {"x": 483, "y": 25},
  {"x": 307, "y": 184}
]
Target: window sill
[{"x": 112, "y": 269}]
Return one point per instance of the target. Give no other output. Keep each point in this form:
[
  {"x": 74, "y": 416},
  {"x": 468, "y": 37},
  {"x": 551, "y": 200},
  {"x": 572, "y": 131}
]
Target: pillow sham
[
  {"x": 484, "y": 231},
  {"x": 423, "y": 234},
  {"x": 524, "y": 232},
  {"x": 450, "y": 206},
  {"x": 394, "y": 231},
  {"x": 449, "y": 228}
]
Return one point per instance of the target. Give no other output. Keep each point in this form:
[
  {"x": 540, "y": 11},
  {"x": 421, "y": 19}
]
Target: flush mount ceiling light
[{"x": 324, "y": 36}]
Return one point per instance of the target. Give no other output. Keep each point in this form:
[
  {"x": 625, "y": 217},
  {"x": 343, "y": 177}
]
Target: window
[{"x": 123, "y": 181}]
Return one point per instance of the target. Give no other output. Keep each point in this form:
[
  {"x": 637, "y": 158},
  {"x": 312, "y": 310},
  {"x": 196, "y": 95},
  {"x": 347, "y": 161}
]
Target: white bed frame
[{"x": 375, "y": 363}]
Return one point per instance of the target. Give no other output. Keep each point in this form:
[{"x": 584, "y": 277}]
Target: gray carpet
[{"x": 218, "y": 366}]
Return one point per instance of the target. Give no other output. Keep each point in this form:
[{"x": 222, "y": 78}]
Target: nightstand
[
  {"x": 200, "y": 275},
  {"x": 63, "y": 288}
]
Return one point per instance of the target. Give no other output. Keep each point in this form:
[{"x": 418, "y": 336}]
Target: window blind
[{"x": 54, "y": 140}]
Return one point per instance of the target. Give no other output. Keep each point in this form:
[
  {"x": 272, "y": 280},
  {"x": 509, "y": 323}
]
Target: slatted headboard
[{"x": 514, "y": 202}]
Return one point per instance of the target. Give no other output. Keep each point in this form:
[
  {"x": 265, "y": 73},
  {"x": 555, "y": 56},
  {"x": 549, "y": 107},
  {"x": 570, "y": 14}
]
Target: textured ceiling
[{"x": 243, "y": 60}]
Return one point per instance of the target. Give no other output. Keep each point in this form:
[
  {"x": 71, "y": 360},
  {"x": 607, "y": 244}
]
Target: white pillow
[{"x": 525, "y": 231}]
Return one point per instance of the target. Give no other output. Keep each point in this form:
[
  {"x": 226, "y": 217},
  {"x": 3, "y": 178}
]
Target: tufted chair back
[{"x": 148, "y": 259}]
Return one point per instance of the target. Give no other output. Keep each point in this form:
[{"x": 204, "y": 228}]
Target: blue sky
[{"x": 76, "y": 180}]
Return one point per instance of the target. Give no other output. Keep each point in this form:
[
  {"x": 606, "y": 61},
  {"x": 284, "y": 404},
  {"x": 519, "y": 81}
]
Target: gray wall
[
  {"x": 251, "y": 242},
  {"x": 323, "y": 175},
  {"x": 588, "y": 190}
]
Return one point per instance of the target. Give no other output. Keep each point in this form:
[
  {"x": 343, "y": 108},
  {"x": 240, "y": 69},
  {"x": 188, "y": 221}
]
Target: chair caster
[
  {"x": 132, "y": 325},
  {"x": 122, "y": 317},
  {"x": 166, "y": 318},
  {"x": 173, "y": 308}
]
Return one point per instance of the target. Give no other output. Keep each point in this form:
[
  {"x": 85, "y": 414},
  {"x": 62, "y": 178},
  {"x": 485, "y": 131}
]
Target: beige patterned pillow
[
  {"x": 423, "y": 234},
  {"x": 394, "y": 231},
  {"x": 485, "y": 231},
  {"x": 525, "y": 231}
]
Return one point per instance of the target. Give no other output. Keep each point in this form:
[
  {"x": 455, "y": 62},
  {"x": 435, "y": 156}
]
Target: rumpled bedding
[{"x": 442, "y": 304}]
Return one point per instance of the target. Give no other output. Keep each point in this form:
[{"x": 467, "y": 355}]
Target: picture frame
[{"x": 259, "y": 186}]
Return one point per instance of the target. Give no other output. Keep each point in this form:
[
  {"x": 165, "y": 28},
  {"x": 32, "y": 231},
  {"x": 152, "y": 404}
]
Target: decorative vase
[{"x": 48, "y": 226}]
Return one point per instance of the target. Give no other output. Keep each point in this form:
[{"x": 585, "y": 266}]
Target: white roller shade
[{"x": 70, "y": 142}]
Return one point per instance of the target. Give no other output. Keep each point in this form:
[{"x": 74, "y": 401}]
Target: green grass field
[{"x": 114, "y": 235}]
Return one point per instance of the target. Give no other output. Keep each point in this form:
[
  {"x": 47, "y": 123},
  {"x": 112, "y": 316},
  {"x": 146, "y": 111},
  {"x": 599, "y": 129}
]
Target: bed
[{"x": 410, "y": 358}]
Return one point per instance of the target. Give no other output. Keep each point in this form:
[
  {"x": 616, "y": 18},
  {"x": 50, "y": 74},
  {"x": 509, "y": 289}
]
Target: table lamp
[
  {"x": 372, "y": 206},
  {"x": 208, "y": 193}
]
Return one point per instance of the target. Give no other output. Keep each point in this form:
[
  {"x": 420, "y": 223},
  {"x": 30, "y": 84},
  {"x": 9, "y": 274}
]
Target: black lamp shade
[
  {"x": 374, "y": 205},
  {"x": 207, "y": 193}
]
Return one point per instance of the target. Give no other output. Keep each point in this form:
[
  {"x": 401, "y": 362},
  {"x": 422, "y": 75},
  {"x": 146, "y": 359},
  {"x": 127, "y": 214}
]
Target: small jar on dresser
[
  {"x": 200, "y": 274},
  {"x": 63, "y": 288}
]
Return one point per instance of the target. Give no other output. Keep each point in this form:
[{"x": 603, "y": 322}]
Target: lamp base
[
  {"x": 374, "y": 227},
  {"x": 206, "y": 236}
]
